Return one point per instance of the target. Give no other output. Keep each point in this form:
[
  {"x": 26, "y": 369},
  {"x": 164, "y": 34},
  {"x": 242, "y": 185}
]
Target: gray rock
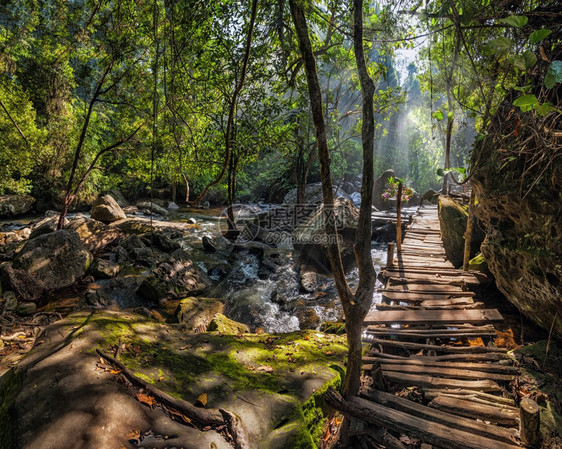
[
  {"x": 12, "y": 205},
  {"x": 195, "y": 312},
  {"x": 10, "y": 301},
  {"x": 152, "y": 207},
  {"x": 313, "y": 194},
  {"x": 160, "y": 241},
  {"x": 48, "y": 224},
  {"x": 191, "y": 220},
  {"x": 58, "y": 259},
  {"x": 356, "y": 199},
  {"x": 26, "y": 286},
  {"x": 208, "y": 244},
  {"x": 174, "y": 279},
  {"x": 173, "y": 206},
  {"x": 106, "y": 210},
  {"x": 118, "y": 196},
  {"x": 26, "y": 308},
  {"x": 104, "y": 269}
]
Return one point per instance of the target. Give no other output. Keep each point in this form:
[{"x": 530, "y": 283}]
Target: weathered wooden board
[
  {"x": 418, "y": 297},
  {"x": 386, "y": 306},
  {"x": 432, "y": 394},
  {"x": 447, "y": 419},
  {"x": 441, "y": 435},
  {"x": 450, "y": 373},
  {"x": 438, "y": 382},
  {"x": 480, "y": 316},
  {"x": 431, "y": 333},
  {"x": 437, "y": 348},
  {"x": 427, "y": 288},
  {"x": 498, "y": 414},
  {"x": 421, "y": 362}
]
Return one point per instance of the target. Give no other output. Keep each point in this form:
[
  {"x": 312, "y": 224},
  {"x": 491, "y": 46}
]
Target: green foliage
[
  {"x": 553, "y": 75},
  {"x": 515, "y": 21},
  {"x": 538, "y": 35}
]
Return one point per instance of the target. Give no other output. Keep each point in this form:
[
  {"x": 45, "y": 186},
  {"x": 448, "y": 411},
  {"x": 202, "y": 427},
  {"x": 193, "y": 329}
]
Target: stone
[
  {"x": 379, "y": 187},
  {"x": 278, "y": 400},
  {"x": 193, "y": 312},
  {"x": 356, "y": 199},
  {"x": 432, "y": 196},
  {"x": 173, "y": 279},
  {"x": 48, "y": 224},
  {"x": 10, "y": 300},
  {"x": 58, "y": 259},
  {"x": 104, "y": 269},
  {"x": 173, "y": 206},
  {"x": 224, "y": 325},
  {"x": 106, "y": 210},
  {"x": 144, "y": 256},
  {"x": 191, "y": 220},
  {"x": 452, "y": 221},
  {"x": 161, "y": 241},
  {"x": 13, "y": 205},
  {"x": 313, "y": 194},
  {"x": 152, "y": 207},
  {"x": 96, "y": 298},
  {"x": 308, "y": 318},
  {"x": 26, "y": 308},
  {"x": 26, "y": 286},
  {"x": 132, "y": 242},
  {"x": 309, "y": 280},
  {"x": 86, "y": 227},
  {"x": 119, "y": 197},
  {"x": 208, "y": 245}
]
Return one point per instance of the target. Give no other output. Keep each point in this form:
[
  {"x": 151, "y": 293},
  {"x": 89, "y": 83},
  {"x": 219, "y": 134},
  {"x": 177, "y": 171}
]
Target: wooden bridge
[{"x": 431, "y": 341}]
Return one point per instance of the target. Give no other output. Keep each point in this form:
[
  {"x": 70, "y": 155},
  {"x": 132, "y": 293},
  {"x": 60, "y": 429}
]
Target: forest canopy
[{"x": 141, "y": 96}]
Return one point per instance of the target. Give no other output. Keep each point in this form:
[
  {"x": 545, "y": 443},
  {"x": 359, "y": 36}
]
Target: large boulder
[
  {"x": 313, "y": 194},
  {"x": 58, "y": 259},
  {"x": 452, "y": 220},
  {"x": 12, "y": 205},
  {"x": 379, "y": 187},
  {"x": 26, "y": 286},
  {"x": 107, "y": 210},
  {"x": 278, "y": 399},
  {"x": 310, "y": 239},
  {"x": 95, "y": 235},
  {"x": 224, "y": 325},
  {"x": 174, "y": 279}
]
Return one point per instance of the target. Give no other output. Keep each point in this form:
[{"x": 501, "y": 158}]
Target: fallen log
[{"x": 202, "y": 416}]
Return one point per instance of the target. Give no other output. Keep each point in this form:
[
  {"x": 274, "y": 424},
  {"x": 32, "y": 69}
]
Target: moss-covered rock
[
  {"x": 193, "y": 312},
  {"x": 452, "y": 221},
  {"x": 224, "y": 325},
  {"x": 273, "y": 382}
]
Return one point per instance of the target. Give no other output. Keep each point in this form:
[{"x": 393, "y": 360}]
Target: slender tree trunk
[
  {"x": 233, "y": 102},
  {"x": 356, "y": 305}
]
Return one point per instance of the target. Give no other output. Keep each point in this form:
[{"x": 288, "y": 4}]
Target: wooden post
[
  {"x": 529, "y": 426},
  {"x": 468, "y": 233},
  {"x": 390, "y": 255},
  {"x": 399, "y": 217}
]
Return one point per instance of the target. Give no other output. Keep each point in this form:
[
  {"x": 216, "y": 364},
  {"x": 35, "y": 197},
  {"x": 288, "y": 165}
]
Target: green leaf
[
  {"x": 501, "y": 45},
  {"x": 526, "y": 102},
  {"x": 545, "y": 109},
  {"x": 539, "y": 35},
  {"x": 440, "y": 172},
  {"x": 525, "y": 61},
  {"x": 437, "y": 115},
  {"x": 549, "y": 80},
  {"x": 515, "y": 21},
  {"x": 555, "y": 69},
  {"x": 450, "y": 115}
]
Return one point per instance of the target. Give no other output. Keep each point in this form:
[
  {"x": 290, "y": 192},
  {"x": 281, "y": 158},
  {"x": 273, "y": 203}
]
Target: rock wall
[{"x": 517, "y": 177}]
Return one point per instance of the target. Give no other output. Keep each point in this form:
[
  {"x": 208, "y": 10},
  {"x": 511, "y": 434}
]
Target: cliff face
[{"x": 517, "y": 177}]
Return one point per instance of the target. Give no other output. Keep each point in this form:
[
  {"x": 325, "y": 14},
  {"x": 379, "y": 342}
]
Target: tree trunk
[
  {"x": 356, "y": 305},
  {"x": 233, "y": 102}
]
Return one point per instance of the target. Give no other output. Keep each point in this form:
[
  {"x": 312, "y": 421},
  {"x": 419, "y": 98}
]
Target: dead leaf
[
  {"x": 146, "y": 399},
  {"x": 329, "y": 353},
  {"x": 183, "y": 348},
  {"x": 265, "y": 368},
  {"x": 114, "y": 371},
  {"x": 202, "y": 400},
  {"x": 543, "y": 54},
  {"x": 175, "y": 413},
  {"x": 134, "y": 434}
]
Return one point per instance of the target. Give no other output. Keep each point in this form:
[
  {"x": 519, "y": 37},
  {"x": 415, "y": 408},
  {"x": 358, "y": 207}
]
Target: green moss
[
  {"x": 10, "y": 386},
  {"x": 478, "y": 263}
]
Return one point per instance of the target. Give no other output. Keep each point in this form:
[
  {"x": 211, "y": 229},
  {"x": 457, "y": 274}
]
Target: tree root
[{"x": 204, "y": 417}]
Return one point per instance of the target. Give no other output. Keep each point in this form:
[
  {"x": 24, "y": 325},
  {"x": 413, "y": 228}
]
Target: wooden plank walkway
[{"x": 429, "y": 335}]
